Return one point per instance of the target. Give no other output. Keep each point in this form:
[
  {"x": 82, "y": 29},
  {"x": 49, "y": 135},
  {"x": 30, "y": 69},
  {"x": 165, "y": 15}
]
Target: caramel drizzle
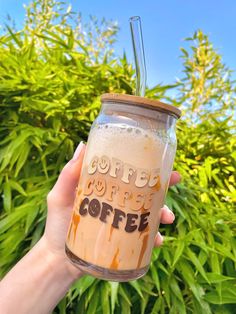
[
  {"x": 115, "y": 262},
  {"x": 78, "y": 191},
  {"x": 74, "y": 224},
  {"x": 142, "y": 209},
  {"x": 143, "y": 249},
  {"x": 144, "y": 231},
  {"x": 158, "y": 185},
  {"x": 76, "y": 220}
]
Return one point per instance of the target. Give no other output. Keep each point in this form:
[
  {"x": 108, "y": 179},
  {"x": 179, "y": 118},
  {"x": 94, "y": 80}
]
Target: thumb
[{"x": 63, "y": 192}]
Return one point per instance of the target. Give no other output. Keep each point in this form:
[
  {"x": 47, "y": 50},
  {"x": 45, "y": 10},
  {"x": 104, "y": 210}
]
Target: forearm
[{"x": 37, "y": 282}]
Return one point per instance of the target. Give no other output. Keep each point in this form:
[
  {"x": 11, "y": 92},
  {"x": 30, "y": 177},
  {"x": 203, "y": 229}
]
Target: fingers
[
  {"x": 63, "y": 192},
  {"x": 158, "y": 240},
  {"x": 175, "y": 178},
  {"x": 167, "y": 216}
]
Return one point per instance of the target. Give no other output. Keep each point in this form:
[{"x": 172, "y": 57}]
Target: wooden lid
[{"x": 141, "y": 101}]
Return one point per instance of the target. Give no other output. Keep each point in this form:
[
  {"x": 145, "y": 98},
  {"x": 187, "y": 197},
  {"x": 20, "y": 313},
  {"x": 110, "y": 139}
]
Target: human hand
[{"x": 60, "y": 203}]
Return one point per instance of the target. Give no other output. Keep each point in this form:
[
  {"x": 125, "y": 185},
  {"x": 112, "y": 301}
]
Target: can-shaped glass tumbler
[{"x": 122, "y": 187}]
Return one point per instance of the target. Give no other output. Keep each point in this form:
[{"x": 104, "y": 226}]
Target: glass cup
[{"x": 124, "y": 180}]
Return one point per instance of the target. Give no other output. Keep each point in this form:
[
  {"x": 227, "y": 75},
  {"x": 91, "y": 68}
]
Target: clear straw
[{"x": 139, "y": 56}]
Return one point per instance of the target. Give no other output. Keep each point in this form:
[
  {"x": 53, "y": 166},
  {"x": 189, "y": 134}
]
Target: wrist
[
  {"x": 42, "y": 274},
  {"x": 58, "y": 262}
]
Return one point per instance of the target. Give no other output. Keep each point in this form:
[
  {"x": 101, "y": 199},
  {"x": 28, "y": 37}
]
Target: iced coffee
[{"x": 124, "y": 179}]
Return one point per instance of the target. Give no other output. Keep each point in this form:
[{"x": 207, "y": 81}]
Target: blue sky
[{"x": 165, "y": 24}]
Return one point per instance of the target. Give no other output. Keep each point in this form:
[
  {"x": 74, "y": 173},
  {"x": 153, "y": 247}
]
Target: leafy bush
[{"x": 52, "y": 74}]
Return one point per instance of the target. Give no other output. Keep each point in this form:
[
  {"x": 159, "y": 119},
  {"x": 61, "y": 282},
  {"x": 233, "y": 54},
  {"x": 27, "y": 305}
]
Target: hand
[{"x": 60, "y": 202}]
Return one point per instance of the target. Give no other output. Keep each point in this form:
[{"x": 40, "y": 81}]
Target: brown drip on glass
[
  {"x": 76, "y": 220},
  {"x": 115, "y": 262},
  {"x": 144, "y": 231},
  {"x": 143, "y": 249}
]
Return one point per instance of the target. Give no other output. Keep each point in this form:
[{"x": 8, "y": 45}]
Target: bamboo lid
[{"x": 141, "y": 101}]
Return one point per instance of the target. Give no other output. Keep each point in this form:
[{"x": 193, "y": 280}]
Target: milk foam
[{"x": 141, "y": 148}]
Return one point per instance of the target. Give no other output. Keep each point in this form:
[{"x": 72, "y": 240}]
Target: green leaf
[
  {"x": 105, "y": 291},
  {"x": 22, "y": 159},
  {"x": 144, "y": 302},
  {"x": 7, "y": 196},
  {"x": 135, "y": 284},
  {"x": 215, "y": 278},
  {"x": 166, "y": 290},
  {"x": 155, "y": 277},
  {"x": 31, "y": 216},
  {"x": 93, "y": 304},
  {"x": 16, "y": 186},
  {"x": 196, "y": 263},
  {"x": 178, "y": 251},
  {"x": 82, "y": 285},
  {"x": 62, "y": 306},
  {"x": 228, "y": 296},
  {"x": 157, "y": 305},
  {"x": 222, "y": 249},
  {"x": 125, "y": 306},
  {"x": 114, "y": 286},
  {"x": 14, "y": 36},
  {"x": 186, "y": 272},
  {"x": 124, "y": 293},
  {"x": 37, "y": 233},
  {"x": 174, "y": 286},
  {"x": 9, "y": 221}
]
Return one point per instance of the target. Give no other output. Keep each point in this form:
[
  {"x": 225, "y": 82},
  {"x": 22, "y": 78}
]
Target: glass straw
[{"x": 139, "y": 56}]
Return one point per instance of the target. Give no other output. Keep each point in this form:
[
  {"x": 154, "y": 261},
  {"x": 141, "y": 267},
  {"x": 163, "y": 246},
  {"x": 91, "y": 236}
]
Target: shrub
[{"x": 52, "y": 74}]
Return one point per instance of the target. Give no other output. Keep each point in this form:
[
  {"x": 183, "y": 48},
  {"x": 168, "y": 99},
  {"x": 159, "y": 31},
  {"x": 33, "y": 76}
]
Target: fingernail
[
  {"x": 177, "y": 174},
  {"x": 160, "y": 237},
  {"x": 78, "y": 151},
  {"x": 170, "y": 212}
]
